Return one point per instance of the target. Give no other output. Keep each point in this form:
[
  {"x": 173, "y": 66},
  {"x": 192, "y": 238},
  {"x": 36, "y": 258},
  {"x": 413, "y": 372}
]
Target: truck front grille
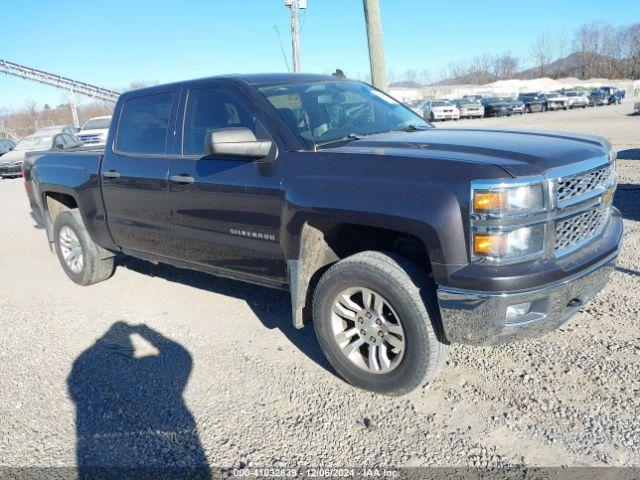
[
  {"x": 578, "y": 229},
  {"x": 569, "y": 188}
]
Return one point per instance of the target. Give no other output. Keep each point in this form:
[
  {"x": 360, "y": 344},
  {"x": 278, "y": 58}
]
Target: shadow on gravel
[
  {"x": 629, "y": 154},
  {"x": 272, "y": 307},
  {"x": 627, "y": 200},
  {"x": 129, "y": 407},
  {"x": 628, "y": 271}
]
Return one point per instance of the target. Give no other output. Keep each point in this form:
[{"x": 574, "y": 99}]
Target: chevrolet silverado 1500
[{"x": 395, "y": 239}]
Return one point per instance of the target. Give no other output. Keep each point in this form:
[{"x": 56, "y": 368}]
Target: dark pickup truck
[
  {"x": 394, "y": 238},
  {"x": 533, "y": 102}
]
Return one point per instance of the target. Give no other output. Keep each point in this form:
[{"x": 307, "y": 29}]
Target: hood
[
  {"x": 519, "y": 153},
  {"x": 499, "y": 104},
  {"x": 12, "y": 157}
]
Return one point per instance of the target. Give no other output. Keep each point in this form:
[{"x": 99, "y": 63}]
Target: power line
[{"x": 284, "y": 55}]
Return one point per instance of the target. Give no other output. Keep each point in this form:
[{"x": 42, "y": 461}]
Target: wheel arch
[
  {"x": 321, "y": 242},
  {"x": 54, "y": 201}
]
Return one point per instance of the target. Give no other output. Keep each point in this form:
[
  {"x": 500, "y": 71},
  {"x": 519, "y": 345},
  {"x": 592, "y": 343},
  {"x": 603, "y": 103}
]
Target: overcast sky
[{"x": 115, "y": 43}]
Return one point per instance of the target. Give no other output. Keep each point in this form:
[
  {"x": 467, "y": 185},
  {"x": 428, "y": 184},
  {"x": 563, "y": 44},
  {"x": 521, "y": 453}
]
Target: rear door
[
  {"x": 134, "y": 174},
  {"x": 226, "y": 209}
]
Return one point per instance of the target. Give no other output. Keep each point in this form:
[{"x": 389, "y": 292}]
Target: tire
[
  {"x": 432, "y": 118},
  {"x": 410, "y": 299},
  {"x": 95, "y": 265}
]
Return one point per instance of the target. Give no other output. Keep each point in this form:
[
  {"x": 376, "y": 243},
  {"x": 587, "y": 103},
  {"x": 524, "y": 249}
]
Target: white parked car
[
  {"x": 469, "y": 108},
  {"x": 433, "y": 110},
  {"x": 577, "y": 99},
  {"x": 94, "y": 131},
  {"x": 556, "y": 101}
]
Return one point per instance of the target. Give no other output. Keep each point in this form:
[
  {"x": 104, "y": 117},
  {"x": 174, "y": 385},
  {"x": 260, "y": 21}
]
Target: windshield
[
  {"x": 440, "y": 103},
  {"x": 32, "y": 142},
  {"x": 322, "y": 112},
  {"x": 96, "y": 124}
]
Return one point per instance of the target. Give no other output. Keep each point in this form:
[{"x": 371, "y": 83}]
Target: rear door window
[{"x": 144, "y": 122}]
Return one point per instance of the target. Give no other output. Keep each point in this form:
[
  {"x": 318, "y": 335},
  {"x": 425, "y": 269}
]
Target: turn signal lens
[
  {"x": 514, "y": 243},
  {"x": 490, "y": 201},
  {"x": 516, "y": 200},
  {"x": 491, "y": 245}
]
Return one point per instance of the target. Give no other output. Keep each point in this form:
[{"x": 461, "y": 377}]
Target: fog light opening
[
  {"x": 575, "y": 302},
  {"x": 518, "y": 310}
]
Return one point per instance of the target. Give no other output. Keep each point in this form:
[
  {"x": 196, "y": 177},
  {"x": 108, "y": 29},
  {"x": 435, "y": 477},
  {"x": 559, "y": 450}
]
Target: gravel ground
[{"x": 159, "y": 366}]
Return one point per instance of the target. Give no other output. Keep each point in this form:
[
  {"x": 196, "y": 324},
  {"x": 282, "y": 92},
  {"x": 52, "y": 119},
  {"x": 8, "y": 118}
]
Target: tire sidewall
[
  {"x": 67, "y": 219},
  {"x": 412, "y": 366}
]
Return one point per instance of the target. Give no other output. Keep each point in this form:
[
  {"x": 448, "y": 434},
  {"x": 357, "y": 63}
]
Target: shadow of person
[
  {"x": 627, "y": 200},
  {"x": 272, "y": 307},
  {"x": 131, "y": 418}
]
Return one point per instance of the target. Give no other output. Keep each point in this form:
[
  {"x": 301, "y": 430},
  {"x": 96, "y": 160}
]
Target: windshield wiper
[
  {"x": 351, "y": 136},
  {"x": 411, "y": 128}
]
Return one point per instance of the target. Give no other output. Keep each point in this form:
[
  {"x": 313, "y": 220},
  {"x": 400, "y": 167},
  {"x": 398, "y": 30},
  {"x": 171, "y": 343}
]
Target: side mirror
[
  {"x": 60, "y": 146},
  {"x": 237, "y": 142}
]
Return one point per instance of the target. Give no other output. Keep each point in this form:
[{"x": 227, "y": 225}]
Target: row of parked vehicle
[
  {"x": 58, "y": 137},
  {"x": 476, "y": 106}
]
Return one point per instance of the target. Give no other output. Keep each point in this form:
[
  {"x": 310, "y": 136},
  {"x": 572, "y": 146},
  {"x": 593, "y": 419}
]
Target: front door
[
  {"x": 134, "y": 175},
  {"x": 226, "y": 209}
]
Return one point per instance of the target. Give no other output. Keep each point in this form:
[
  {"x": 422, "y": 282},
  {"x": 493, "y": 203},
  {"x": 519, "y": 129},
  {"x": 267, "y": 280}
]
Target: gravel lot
[{"x": 159, "y": 366}]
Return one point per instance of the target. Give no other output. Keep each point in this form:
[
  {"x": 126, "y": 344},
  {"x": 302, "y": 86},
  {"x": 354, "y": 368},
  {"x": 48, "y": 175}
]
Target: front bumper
[
  {"x": 446, "y": 116},
  {"x": 499, "y": 112},
  {"x": 471, "y": 113},
  {"x": 556, "y": 105},
  {"x": 480, "y": 318},
  {"x": 10, "y": 169}
]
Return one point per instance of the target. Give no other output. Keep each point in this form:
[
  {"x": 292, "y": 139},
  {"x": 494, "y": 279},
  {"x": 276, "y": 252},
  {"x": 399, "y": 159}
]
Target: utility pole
[
  {"x": 295, "y": 6},
  {"x": 374, "y": 37}
]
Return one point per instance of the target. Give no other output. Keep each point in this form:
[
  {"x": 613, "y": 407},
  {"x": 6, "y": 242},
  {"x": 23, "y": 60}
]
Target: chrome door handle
[
  {"x": 111, "y": 174},
  {"x": 182, "y": 178}
]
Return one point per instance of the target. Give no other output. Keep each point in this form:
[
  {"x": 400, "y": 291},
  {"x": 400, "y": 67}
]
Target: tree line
[{"x": 594, "y": 50}]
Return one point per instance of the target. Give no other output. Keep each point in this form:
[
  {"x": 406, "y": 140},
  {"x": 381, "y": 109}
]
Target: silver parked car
[
  {"x": 469, "y": 108},
  {"x": 94, "y": 131},
  {"x": 49, "y": 138},
  {"x": 577, "y": 99}
]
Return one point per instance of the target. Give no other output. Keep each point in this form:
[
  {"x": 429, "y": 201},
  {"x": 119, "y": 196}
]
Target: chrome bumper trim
[{"x": 479, "y": 318}]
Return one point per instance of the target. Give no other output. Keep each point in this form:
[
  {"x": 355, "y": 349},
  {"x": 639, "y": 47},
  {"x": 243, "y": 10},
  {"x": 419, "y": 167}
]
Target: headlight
[
  {"x": 520, "y": 242},
  {"x": 509, "y": 201}
]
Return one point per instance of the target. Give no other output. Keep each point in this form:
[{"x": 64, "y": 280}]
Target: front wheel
[
  {"x": 376, "y": 319},
  {"x": 83, "y": 261}
]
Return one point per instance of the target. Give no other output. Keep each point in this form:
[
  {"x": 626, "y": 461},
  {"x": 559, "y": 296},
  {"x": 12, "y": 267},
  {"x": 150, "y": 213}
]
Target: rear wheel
[
  {"x": 83, "y": 261},
  {"x": 376, "y": 319}
]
